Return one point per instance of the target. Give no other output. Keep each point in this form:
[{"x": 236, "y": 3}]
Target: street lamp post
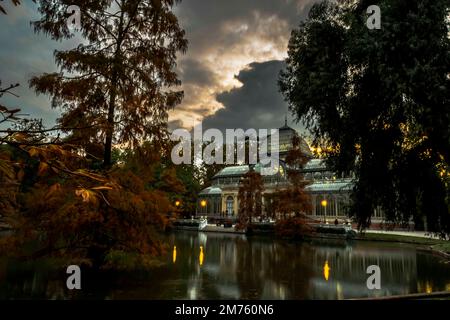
[
  {"x": 177, "y": 207},
  {"x": 203, "y": 204}
]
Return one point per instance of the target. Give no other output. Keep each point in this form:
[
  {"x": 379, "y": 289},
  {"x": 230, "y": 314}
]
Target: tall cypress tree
[{"x": 115, "y": 85}]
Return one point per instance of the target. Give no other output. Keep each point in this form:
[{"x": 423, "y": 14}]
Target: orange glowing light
[
  {"x": 174, "y": 255},
  {"x": 326, "y": 270},
  {"x": 201, "y": 257}
]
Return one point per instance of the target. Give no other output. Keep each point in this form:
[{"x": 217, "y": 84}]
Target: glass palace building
[{"x": 329, "y": 192}]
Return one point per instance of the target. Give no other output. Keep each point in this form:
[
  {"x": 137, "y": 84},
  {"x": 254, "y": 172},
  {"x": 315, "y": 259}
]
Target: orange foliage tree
[
  {"x": 292, "y": 203},
  {"x": 62, "y": 210},
  {"x": 116, "y": 87},
  {"x": 250, "y": 192},
  {"x": 61, "y": 192},
  {"x": 55, "y": 206}
]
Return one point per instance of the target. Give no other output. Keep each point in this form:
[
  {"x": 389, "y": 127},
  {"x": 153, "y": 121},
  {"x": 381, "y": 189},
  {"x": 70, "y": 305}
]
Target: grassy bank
[
  {"x": 443, "y": 247},
  {"x": 432, "y": 244}
]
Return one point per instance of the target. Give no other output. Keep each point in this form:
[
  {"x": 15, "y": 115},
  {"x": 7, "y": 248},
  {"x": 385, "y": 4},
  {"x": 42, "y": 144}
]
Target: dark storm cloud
[
  {"x": 224, "y": 37},
  {"x": 24, "y": 54},
  {"x": 192, "y": 71},
  {"x": 204, "y": 20},
  {"x": 257, "y": 104}
]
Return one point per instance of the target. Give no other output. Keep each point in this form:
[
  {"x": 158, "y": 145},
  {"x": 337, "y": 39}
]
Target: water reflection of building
[
  {"x": 221, "y": 198},
  {"x": 252, "y": 272},
  {"x": 238, "y": 268},
  {"x": 347, "y": 271}
]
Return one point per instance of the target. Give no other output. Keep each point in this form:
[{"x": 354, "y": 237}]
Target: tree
[
  {"x": 61, "y": 209},
  {"x": 53, "y": 195},
  {"x": 294, "y": 199},
  {"x": 208, "y": 166},
  {"x": 379, "y": 99},
  {"x": 291, "y": 203},
  {"x": 189, "y": 175},
  {"x": 116, "y": 83},
  {"x": 250, "y": 192}
]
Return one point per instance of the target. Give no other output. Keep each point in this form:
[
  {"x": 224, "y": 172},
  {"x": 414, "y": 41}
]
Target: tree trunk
[
  {"x": 112, "y": 100},
  {"x": 109, "y": 132}
]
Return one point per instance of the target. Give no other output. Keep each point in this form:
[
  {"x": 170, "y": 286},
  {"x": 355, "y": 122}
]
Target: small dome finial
[{"x": 285, "y": 120}]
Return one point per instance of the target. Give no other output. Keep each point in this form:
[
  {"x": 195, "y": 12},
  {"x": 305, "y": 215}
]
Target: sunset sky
[{"x": 229, "y": 72}]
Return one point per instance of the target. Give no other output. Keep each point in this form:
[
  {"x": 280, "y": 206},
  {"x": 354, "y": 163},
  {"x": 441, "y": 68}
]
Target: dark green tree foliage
[
  {"x": 380, "y": 100},
  {"x": 115, "y": 85},
  {"x": 190, "y": 175}
]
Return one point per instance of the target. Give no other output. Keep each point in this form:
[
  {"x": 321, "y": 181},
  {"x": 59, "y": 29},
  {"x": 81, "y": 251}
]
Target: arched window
[{"x": 230, "y": 202}]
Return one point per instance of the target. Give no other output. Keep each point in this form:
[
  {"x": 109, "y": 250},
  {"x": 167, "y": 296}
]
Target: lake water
[{"x": 230, "y": 266}]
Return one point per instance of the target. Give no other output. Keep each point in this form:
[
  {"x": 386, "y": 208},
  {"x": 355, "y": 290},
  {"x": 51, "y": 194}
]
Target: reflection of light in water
[
  {"x": 274, "y": 289},
  {"x": 339, "y": 292},
  {"x": 429, "y": 287},
  {"x": 192, "y": 293},
  {"x": 229, "y": 291},
  {"x": 174, "y": 255},
  {"x": 326, "y": 270},
  {"x": 201, "y": 256},
  {"x": 202, "y": 238}
]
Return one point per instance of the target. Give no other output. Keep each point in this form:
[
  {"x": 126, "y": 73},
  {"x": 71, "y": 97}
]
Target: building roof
[
  {"x": 317, "y": 187},
  {"x": 232, "y": 171},
  {"x": 305, "y": 148},
  {"x": 286, "y": 132},
  {"x": 236, "y": 171},
  {"x": 315, "y": 165},
  {"x": 211, "y": 191},
  {"x": 330, "y": 186},
  {"x": 285, "y": 127}
]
